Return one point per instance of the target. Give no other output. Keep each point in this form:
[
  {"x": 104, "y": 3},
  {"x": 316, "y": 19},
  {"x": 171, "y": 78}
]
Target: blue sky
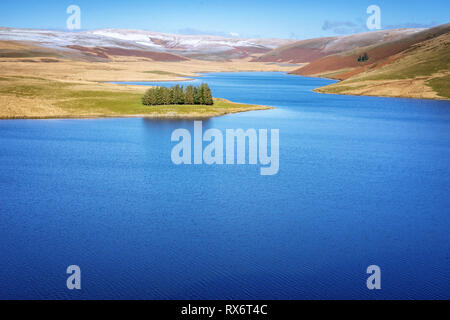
[{"x": 263, "y": 18}]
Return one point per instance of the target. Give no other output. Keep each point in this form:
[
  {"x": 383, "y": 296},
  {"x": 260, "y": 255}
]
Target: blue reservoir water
[{"x": 362, "y": 181}]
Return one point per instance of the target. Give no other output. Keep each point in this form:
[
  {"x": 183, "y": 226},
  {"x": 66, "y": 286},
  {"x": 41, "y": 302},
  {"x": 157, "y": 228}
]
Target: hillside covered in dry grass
[{"x": 416, "y": 66}]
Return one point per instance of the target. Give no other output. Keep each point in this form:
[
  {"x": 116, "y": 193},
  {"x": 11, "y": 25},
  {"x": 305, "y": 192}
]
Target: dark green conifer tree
[
  {"x": 207, "y": 95},
  {"x": 178, "y": 94},
  {"x": 197, "y": 96},
  {"x": 189, "y": 95}
]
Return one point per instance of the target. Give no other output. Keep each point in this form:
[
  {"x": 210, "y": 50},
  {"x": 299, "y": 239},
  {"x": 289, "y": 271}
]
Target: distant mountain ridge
[{"x": 100, "y": 44}]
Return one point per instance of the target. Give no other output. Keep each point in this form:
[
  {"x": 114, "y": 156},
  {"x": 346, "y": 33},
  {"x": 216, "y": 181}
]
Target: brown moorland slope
[
  {"x": 108, "y": 52},
  {"x": 420, "y": 70},
  {"x": 25, "y": 49},
  {"x": 299, "y": 52},
  {"x": 345, "y": 65},
  {"x": 313, "y": 49}
]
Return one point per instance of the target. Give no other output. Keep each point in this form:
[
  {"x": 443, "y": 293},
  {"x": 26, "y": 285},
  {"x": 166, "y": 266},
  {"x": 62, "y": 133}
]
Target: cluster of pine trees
[
  {"x": 190, "y": 95},
  {"x": 363, "y": 58}
]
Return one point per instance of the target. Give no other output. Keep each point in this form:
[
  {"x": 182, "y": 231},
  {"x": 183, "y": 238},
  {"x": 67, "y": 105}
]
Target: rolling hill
[
  {"x": 417, "y": 65},
  {"x": 312, "y": 49}
]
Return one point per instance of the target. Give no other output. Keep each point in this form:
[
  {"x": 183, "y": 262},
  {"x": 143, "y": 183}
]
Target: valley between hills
[{"x": 54, "y": 74}]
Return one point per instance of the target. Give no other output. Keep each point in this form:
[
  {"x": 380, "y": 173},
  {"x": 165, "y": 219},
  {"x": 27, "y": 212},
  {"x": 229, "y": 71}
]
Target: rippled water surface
[{"x": 362, "y": 181}]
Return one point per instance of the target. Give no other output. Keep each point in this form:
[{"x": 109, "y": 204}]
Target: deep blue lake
[{"x": 362, "y": 181}]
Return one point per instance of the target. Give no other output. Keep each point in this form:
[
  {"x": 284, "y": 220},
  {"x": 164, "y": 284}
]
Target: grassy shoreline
[
  {"x": 69, "y": 89},
  {"x": 406, "y": 89},
  {"x": 325, "y": 90},
  {"x": 38, "y": 98},
  {"x": 226, "y": 107}
]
